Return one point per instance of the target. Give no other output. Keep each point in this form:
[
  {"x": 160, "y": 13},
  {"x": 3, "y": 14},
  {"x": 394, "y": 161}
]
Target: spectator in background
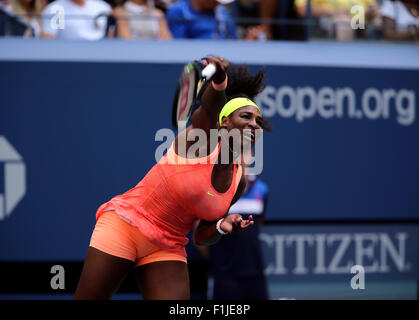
[
  {"x": 254, "y": 9},
  {"x": 400, "y": 19},
  {"x": 145, "y": 21},
  {"x": 201, "y": 19},
  {"x": 335, "y": 16},
  {"x": 266, "y": 10},
  {"x": 83, "y": 19},
  {"x": 4, "y": 3},
  {"x": 30, "y": 12},
  {"x": 117, "y": 25},
  {"x": 164, "y": 4}
]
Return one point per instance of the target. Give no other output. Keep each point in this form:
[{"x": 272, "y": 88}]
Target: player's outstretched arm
[
  {"x": 206, "y": 232},
  {"x": 213, "y": 98}
]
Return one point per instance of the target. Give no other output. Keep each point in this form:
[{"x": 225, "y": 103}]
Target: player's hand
[
  {"x": 234, "y": 223},
  {"x": 221, "y": 65}
]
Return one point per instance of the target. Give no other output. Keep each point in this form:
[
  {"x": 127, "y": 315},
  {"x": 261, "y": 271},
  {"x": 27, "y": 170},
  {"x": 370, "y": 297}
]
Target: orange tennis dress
[{"x": 176, "y": 192}]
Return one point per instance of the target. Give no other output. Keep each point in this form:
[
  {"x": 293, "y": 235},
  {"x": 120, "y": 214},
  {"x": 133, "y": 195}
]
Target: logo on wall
[{"x": 14, "y": 182}]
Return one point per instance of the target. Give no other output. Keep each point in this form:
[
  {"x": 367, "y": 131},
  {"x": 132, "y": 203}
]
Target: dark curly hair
[{"x": 241, "y": 83}]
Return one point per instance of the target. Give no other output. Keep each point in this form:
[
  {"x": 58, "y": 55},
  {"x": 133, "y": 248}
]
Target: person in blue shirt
[
  {"x": 236, "y": 263},
  {"x": 201, "y": 19}
]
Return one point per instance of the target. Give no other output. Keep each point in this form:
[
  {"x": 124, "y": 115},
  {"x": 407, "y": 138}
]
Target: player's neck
[{"x": 232, "y": 155}]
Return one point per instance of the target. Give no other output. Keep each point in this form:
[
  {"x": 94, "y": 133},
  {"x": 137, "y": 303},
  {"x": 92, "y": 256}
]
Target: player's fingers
[
  {"x": 247, "y": 224},
  {"x": 220, "y": 62},
  {"x": 237, "y": 225},
  {"x": 224, "y": 63}
]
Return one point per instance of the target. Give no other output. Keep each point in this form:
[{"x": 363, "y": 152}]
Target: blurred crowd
[{"x": 253, "y": 20}]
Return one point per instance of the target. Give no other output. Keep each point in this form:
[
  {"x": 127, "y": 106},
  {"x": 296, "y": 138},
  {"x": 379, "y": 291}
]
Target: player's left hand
[{"x": 234, "y": 223}]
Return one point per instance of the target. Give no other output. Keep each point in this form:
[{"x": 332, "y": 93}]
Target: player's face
[{"x": 247, "y": 120}]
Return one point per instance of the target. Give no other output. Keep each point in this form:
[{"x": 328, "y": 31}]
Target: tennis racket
[{"x": 191, "y": 84}]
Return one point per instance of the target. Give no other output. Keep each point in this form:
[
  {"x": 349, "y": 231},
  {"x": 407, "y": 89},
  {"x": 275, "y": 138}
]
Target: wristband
[
  {"x": 220, "y": 86},
  {"x": 219, "y": 228}
]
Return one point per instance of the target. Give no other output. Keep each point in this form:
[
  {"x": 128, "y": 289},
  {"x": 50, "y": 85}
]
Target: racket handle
[{"x": 209, "y": 71}]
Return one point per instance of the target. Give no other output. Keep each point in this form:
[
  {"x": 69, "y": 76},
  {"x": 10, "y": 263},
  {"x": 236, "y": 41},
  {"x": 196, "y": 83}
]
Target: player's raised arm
[{"x": 213, "y": 98}]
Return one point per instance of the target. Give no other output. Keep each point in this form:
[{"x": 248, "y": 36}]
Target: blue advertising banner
[
  {"x": 345, "y": 144},
  {"x": 75, "y": 132},
  {"x": 337, "y": 262}
]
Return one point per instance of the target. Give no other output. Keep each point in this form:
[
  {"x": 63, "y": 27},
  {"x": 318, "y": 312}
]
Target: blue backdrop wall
[{"x": 345, "y": 144}]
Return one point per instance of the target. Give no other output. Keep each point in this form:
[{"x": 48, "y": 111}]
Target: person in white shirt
[
  {"x": 145, "y": 21},
  {"x": 76, "y": 19},
  {"x": 400, "y": 19}
]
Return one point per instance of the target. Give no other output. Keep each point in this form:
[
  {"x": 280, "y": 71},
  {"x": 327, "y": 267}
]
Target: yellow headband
[{"x": 235, "y": 104}]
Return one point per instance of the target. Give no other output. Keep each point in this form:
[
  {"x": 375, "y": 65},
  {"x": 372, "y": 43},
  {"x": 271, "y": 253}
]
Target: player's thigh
[
  {"x": 102, "y": 274},
  {"x": 163, "y": 280}
]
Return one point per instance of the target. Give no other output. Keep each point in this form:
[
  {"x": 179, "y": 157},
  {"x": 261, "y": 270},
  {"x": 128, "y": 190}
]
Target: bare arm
[
  {"x": 205, "y": 117},
  {"x": 206, "y": 232},
  {"x": 318, "y": 11},
  {"x": 267, "y": 11},
  {"x": 164, "y": 31},
  {"x": 124, "y": 31}
]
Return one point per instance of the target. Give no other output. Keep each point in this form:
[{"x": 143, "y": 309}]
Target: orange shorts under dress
[{"x": 114, "y": 236}]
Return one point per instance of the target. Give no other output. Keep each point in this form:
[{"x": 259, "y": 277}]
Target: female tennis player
[{"x": 146, "y": 227}]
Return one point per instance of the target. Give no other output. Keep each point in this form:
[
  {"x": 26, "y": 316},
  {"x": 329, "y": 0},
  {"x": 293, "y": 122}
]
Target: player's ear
[{"x": 224, "y": 122}]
